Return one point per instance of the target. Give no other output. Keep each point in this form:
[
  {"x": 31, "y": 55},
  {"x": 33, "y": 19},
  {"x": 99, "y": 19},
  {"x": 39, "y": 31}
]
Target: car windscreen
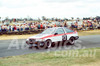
[{"x": 48, "y": 31}]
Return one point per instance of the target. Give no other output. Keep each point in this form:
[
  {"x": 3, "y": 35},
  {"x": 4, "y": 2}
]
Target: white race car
[{"x": 52, "y": 35}]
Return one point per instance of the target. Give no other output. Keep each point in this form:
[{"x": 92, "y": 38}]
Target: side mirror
[{"x": 55, "y": 33}]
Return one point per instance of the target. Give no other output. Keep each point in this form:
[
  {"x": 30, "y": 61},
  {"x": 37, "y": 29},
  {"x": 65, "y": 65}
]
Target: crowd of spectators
[
  {"x": 16, "y": 26},
  {"x": 86, "y": 25}
]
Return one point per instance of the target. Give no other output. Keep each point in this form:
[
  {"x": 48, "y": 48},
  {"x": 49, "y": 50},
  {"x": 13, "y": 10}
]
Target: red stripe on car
[{"x": 57, "y": 35}]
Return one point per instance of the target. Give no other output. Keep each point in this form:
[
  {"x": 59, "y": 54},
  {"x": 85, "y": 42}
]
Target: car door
[{"x": 60, "y": 32}]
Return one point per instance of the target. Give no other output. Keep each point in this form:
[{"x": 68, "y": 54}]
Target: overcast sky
[{"x": 49, "y": 8}]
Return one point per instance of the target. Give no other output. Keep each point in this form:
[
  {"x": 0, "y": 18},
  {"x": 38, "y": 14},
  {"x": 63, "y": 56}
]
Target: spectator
[
  {"x": 55, "y": 25},
  {"x": 4, "y": 28},
  {"x": 76, "y": 25},
  {"x": 38, "y": 26},
  {"x": 21, "y": 27},
  {"x": 8, "y": 28},
  {"x": 72, "y": 26},
  {"x": 15, "y": 28},
  {"x": 44, "y": 26},
  {"x": 41, "y": 26},
  {"x": 32, "y": 26},
  {"x": 18, "y": 28},
  {"x": 65, "y": 25}
]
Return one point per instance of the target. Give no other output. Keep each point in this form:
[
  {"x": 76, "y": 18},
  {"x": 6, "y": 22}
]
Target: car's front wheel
[
  {"x": 48, "y": 43},
  {"x": 44, "y": 45}
]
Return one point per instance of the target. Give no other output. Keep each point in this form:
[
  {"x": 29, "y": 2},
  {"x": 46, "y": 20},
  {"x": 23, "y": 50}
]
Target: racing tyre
[
  {"x": 48, "y": 44},
  {"x": 45, "y": 45},
  {"x": 72, "y": 41}
]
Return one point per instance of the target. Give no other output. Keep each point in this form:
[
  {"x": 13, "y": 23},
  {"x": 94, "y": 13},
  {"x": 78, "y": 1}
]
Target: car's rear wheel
[{"x": 72, "y": 41}]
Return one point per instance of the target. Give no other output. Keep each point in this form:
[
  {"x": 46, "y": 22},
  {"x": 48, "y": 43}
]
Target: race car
[{"x": 52, "y": 35}]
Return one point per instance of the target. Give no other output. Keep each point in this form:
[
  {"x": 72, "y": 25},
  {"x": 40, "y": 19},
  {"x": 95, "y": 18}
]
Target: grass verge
[
  {"x": 82, "y": 57},
  {"x": 91, "y": 32}
]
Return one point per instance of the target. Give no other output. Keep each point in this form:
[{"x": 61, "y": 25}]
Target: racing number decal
[{"x": 64, "y": 37}]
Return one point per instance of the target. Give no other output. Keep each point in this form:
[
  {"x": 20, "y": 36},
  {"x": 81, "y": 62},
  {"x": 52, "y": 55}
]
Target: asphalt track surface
[{"x": 6, "y": 48}]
